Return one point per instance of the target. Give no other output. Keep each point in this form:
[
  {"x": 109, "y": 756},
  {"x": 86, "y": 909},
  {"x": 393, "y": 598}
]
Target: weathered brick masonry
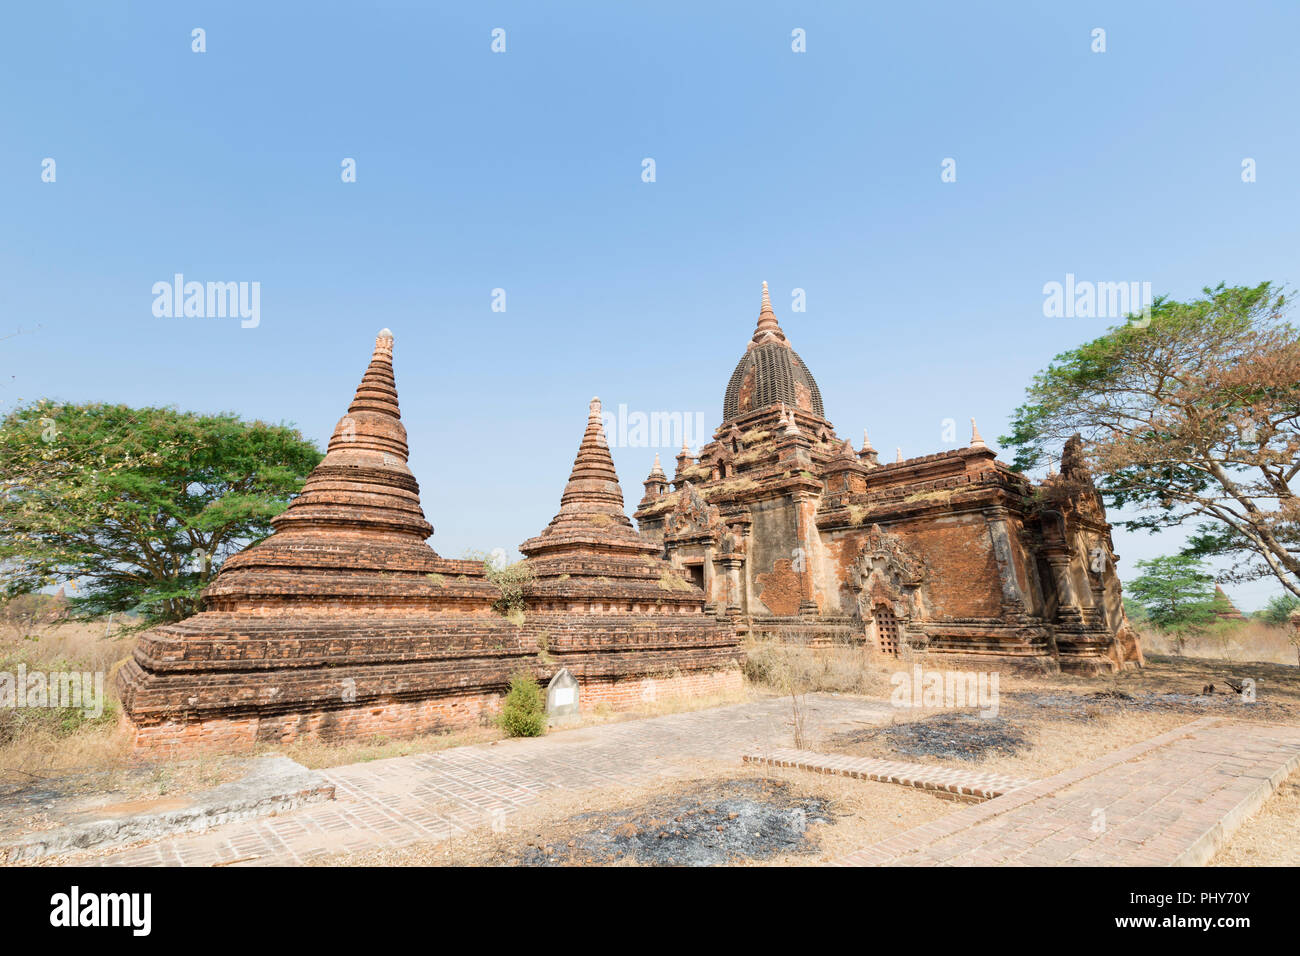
[
  {"x": 794, "y": 534},
  {"x": 345, "y": 623}
]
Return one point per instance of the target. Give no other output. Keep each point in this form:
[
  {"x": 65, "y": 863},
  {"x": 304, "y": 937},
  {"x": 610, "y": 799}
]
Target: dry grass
[
  {"x": 729, "y": 488},
  {"x": 66, "y": 752},
  {"x": 1249, "y": 640},
  {"x": 37, "y": 742},
  {"x": 672, "y": 581},
  {"x": 834, "y": 669},
  {"x": 1272, "y": 836}
]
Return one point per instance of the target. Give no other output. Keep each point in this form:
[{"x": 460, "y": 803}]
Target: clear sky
[{"x": 523, "y": 170}]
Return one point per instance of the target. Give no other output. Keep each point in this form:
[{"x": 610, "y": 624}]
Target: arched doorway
[{"x": 886, "y": 630}]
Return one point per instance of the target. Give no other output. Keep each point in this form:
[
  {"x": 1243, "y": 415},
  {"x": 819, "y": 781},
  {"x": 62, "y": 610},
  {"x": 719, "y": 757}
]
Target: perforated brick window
[{"x": 886, "y": 630}]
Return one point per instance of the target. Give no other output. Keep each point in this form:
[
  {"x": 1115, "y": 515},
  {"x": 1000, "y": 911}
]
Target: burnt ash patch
[
  {"x": 706, "y": 826},
  {"x": 951, "y": 736},
  {"x": 1069, "y": 706}
]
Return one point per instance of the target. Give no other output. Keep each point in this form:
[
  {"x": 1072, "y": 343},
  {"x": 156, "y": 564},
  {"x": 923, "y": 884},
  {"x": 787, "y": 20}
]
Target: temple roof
[{"x": 770, "y": 373}]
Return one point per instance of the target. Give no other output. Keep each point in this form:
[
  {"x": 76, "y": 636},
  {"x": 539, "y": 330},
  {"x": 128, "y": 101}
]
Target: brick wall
[{"x": 396, "y": 719}]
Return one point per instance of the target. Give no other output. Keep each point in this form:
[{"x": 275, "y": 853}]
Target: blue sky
[{"x": 522, "y": 171}]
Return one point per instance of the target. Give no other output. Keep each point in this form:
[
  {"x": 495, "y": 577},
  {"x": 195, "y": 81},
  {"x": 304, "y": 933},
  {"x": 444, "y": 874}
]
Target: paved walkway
[
  {"x": 1172, "y": 800},
  {"x": 429, "y": 797}
]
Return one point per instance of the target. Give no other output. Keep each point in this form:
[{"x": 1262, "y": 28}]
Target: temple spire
[
  {"x": 976, "y": 440},
  {"x": 768, "y": 330},
  {"x": 591, "y": 508},
  {"x": 868, "y": 454},
  {"x": 363, "y": 484}
]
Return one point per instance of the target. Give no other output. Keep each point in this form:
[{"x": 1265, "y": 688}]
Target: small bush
[{"x": 524, "y": 712}]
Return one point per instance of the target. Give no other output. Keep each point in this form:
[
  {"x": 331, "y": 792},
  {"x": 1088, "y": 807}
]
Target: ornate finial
[
  {"x": 975, "y": 440},
  {"x": 593, "y": 409},
  {"x": 768, "y": 327},
  {"x": 900, "y": 455},
  {"x": 384, "y": 343},
  {"x": 657, "y": 472},
  {"x": 866, "y": 442}
]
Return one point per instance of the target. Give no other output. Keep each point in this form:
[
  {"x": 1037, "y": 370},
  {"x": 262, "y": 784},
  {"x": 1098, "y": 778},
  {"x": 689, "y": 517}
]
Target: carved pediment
[
  {"x": 693, "y": 516},
  {"x": 885, "y": 560}
]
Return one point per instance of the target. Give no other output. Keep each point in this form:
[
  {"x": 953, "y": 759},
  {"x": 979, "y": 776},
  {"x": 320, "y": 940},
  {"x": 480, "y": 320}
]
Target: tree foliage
[
  {"x": 1175, "y": 591},
  {"x": 138, "y": 507},
  {"x": 1194, "y": 417},
  {"x": 1279, "y": 609}
]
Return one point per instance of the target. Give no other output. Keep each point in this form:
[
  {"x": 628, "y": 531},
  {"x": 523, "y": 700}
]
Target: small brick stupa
[
  {"x": 1224, "y": 609},
  {"x": 342, "y": 623},
  {"x": 606, "y": 605}
]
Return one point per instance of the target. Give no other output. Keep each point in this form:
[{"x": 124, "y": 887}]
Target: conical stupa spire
[
  {"x": 658, "y": 470},
  {"x": 593, "y": 483},
  {"x": 369, "y": 423},
  {"x": 768, "y": 328},
  {"x": 976, "y": 441},
  {"x": 363, "y": 482},
  {"x": 591, "y": 508},
  {"x": 866, "y": 442}
]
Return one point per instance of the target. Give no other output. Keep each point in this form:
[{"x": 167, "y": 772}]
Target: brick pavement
[
  {"x": 1172, "y": 800},
  {"x": 430, "y": 797},
  {"x": 950, "y": 781}
]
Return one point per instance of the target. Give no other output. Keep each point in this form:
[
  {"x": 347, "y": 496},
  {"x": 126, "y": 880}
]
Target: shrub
[
  {"x": 524, "y": 712},
  {"x": 1280, "y": 609}
]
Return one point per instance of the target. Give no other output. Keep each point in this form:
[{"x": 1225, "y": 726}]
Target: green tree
[
  {"x": 1279, "y": 609},
  {"x": 138, "y": 507},
  {"x": 1175, "y": 591},
  {"x": 1189, "y": 415}
]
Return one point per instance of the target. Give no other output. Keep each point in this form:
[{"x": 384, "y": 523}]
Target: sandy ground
[{"x": 1272, "y": 836}]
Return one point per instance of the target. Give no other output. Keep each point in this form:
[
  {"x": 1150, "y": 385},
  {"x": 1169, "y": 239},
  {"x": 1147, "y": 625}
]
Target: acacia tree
[
  {"x": 1192, "y": 416},
  {"x": 138, "y": 506},
  {"x": 1175, "y": 591}
]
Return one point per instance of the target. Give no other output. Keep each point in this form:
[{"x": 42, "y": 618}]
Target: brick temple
[
  {"x": 345, "y": 623},
  {"x": 793, "y": 533}
]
